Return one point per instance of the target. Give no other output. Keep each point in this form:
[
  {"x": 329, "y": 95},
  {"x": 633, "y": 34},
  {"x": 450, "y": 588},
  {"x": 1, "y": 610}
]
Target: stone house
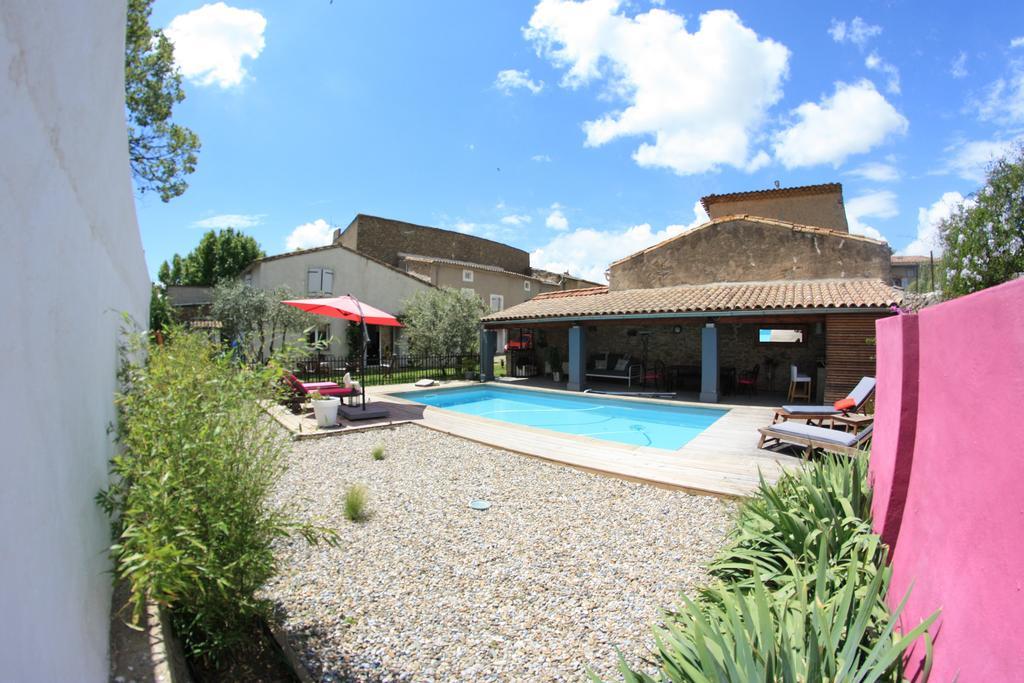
[
  {"x": 907, "y": 269},
  {"x": 742, "y": 294},
  {"x": 500, "y": 274},
  {"x": 334, "y": 270}
]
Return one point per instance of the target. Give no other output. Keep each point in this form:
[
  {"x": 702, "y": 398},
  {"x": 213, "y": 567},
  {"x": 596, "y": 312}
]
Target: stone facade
[
  {"x": 386, "y": 239},
  {"x": 819, "y": 205},
  {"x": 752, "y": 250}
]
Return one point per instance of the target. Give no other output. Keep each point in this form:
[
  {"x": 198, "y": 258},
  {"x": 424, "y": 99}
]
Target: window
[
  {"x": 467, "y": 275},
  {"x": 320, "y": 281},
  {"x": 526, "y": 285},
  {"x": 319, "y": 334},
  {"x": 497, "y": 302},
  {"x": 469, "y": 291},
  {"x": 781, "y": 335},
  {"x": 248, "y": 279}
]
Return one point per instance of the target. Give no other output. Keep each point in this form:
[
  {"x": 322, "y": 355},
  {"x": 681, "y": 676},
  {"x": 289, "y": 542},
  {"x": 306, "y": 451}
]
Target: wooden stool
[{"x": 799, "y": 385}]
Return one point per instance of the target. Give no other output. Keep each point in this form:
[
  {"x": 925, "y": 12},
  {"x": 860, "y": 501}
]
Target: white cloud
[
  {"x": 970, "y": 159},
  {"x": 858, "y": 31},
  {"x": 876, "y": 171},
  {"x": 892, "y": 74},
  {"x": 1017, "y": 42},
  {"x": 1003, "y": 101},
  {"x": 958, "y": 69},
  {"x": 928, "y": 220},
  {"x": 318, "y": 233},
  {"x": 587, "y": 252},
  {"x": 512, "y": 79},
  {"x": 231, "y": 220},
  {"x": 540, "y": 158},
  {"x": 855, "y": 119},
  {"x": 879, "y": 204},
  {"x": 516, "y": 219},
  {"x": 702, "y": 95},
  {"x": 210, "y": 43},
  {"x": 556, "y": 219},
  {"x": 466, "y": 227}
]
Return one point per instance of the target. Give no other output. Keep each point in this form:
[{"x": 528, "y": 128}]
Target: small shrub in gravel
[
  {"x": 378, "y": 452},
  {"x": 355, "y": 502}
]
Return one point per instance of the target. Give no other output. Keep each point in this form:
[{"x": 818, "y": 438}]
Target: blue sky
[{"x": 580, "y": 131}]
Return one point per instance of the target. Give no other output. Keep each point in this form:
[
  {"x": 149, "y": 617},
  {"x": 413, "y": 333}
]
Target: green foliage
[
  {"x": 258, "y": 323},
  {"x": 356, "y": 497},
  {"x": 443, "y": 321},
  {"x": 378, "y": 452},
  {"x": 190, "y": 493},
  {"x": 161, "y": 312},
  {"x": 553, "y": 357},
  {"x": 162, "y": 153},
  {"x": 815, "y": 630},
  {"x": 984, "y": 242},
  {"x": 221, "y": 255},
  {"x": 800, "y": 594}
]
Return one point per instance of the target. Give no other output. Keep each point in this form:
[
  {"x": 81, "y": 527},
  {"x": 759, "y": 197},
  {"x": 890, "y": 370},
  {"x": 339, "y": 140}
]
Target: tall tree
[
  {"x": 443, "y": 321},
  {"x": 220, "y": 255},
  {"x": 984, "y": 241},
  {"x": 162, "y": 153}
]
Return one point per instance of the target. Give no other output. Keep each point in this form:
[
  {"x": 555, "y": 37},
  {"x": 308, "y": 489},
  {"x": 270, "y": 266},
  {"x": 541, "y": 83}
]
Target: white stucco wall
[
  {"x": 70, "y": 261},
  {"x": 367, "y": 280}
]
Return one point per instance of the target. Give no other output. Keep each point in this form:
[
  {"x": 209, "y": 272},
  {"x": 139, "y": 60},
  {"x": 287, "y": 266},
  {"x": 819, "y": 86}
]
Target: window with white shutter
[
  {"x": 313, "y": 277},
  {"x": 497, "y": 302},
  {"x": 327, "y": 285}
]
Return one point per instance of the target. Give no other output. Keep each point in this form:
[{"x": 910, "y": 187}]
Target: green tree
[
  {"x": 161, "y": 313},
  {"x": 257, "y": 320},
  {"x": 443, "y": 321},
  {"x": 220, "y": 255},
  {"x": 984, "y": 241},
  {"x": 161, "y": 152}
]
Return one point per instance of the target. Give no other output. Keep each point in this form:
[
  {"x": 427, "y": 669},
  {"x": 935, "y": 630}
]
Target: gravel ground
[{"x": 565, "y": 567}]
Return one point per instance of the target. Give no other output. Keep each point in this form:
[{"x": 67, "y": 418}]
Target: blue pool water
[{"x": 631, "y": 422}]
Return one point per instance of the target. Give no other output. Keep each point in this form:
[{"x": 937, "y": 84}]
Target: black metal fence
[{"x": 399, "y": 369}]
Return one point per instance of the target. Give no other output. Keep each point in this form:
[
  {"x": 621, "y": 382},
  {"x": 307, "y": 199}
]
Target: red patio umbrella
[{"x": 347, "y": 307}]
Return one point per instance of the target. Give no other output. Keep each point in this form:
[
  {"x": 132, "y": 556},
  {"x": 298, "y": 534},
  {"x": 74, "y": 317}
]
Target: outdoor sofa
[
  {"x": 859, "y": 396},
  {"x": 614, "y": 366},
  {"x": 811, "y": 438}
]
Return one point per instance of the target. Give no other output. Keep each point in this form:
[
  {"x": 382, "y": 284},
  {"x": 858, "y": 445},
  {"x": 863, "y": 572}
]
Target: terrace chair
[
  {"x": 853, "y": 403},
  {"x": 811, "y": 438},
  {"x": 300, "y": 392},
  {"x": 799, "y": 385},
  {"x": 747, "y": 380},
  {"x": 657, "y": 374}
]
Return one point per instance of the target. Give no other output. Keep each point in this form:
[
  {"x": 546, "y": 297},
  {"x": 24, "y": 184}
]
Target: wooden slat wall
[{"x": 849, "y": 352}]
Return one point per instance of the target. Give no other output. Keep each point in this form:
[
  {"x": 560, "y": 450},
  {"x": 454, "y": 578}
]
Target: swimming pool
[{"x": 631, "y": 422}]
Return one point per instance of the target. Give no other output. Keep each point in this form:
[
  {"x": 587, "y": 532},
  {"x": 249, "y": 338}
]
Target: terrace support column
[
  {"x": 488, "y": 342},
  {"x": 577, "y": 358},
  {"x": 709, "y": 363}
]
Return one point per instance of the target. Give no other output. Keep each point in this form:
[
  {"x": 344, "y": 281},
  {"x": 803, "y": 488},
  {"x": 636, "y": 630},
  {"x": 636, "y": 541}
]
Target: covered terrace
[{"x": 732, "y": 342}]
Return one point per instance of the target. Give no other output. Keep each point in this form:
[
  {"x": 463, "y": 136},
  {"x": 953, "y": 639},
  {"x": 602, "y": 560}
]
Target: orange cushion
[{"x": 844, "y": 404}]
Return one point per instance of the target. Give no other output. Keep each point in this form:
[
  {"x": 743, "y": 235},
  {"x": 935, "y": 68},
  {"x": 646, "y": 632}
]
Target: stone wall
[
  {"x": 749, "y": 251},
  {"x": 385, "y": 239},
  {"x": 823, "y": 210}
]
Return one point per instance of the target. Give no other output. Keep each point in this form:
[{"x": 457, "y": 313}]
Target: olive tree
[
  {"x": 984, "y": 239},
  {"x": 443, "y": 321},
  {"x": 256, "y": 321}
]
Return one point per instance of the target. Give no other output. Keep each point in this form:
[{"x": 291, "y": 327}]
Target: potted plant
[
  {"x": 469, "y": 368},
  {"x": 325, "y": 408},
  {"x": 553, "y": 358}
]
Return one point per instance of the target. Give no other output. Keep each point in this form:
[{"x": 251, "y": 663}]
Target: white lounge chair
[{"x": 811, "y": 438}]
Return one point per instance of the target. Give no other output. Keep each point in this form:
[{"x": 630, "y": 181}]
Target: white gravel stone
[{"x": 563, "y": 568}]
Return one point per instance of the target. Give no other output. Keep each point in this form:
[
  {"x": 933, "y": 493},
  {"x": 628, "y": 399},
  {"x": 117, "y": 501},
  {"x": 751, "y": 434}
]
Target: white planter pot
[
  {"x": 326, "y": 411},
  {"x": 557, "y": 376}
]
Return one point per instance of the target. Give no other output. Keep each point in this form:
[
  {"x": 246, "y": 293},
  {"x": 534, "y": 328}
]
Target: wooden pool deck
[{"x": 722, "y": 460}]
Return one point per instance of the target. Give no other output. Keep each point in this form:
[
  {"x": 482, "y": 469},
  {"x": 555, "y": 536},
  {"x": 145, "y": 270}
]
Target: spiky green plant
[
  {"x": 378, "y": 452},
  {"x": 356, "y": 498}
]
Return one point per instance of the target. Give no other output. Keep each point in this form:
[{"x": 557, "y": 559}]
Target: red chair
[
  {"x": 748, "y": 380},
  {"x": 300, "y": 391},
  {"x": 657, "y": 375}
]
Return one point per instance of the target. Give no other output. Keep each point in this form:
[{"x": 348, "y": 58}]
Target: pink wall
[{"x": 948, "y": 467}]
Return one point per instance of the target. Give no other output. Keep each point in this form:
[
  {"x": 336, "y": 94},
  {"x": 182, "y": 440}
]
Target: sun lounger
[
  {"x": 301, "y": 391},
  {"x": 812, "y": 438},
  {"x": 860, "y": 394}
]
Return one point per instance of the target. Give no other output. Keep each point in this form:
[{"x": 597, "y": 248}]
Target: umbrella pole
[{"x": 366, "y": 335}]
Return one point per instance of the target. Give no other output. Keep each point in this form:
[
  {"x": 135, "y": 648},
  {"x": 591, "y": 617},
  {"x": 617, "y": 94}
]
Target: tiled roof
[
  {"x": 909, "y": 260},
  {"x": 801, "y": 190},
  {"x": 465, "y": 264},
  {"x": 712, "y": 298}
]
